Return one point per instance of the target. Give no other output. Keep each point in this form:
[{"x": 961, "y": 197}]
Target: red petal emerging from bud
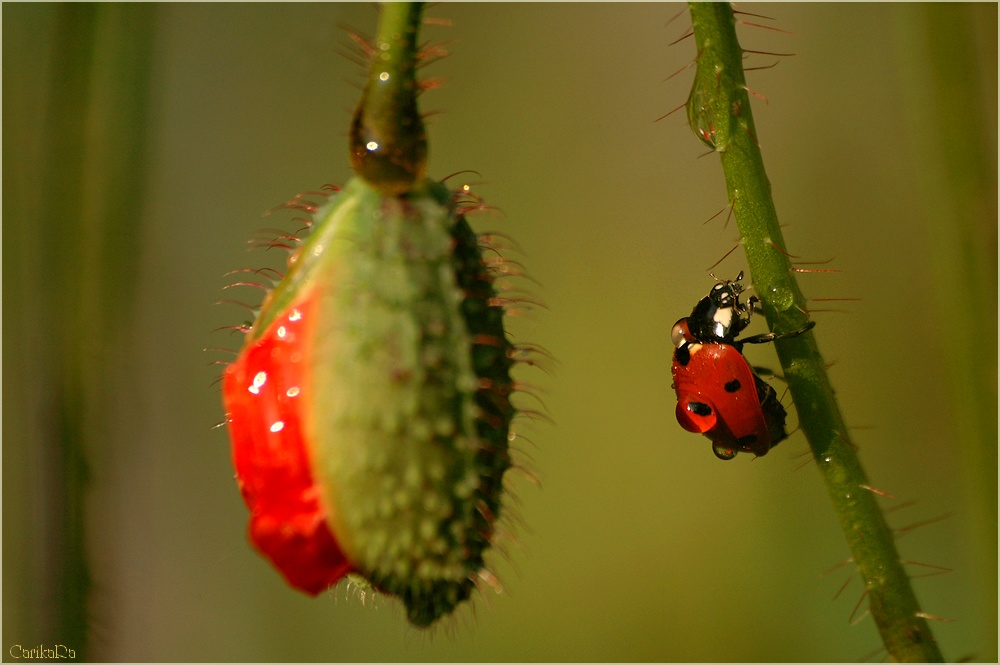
[{"x": 263, "y": 392}]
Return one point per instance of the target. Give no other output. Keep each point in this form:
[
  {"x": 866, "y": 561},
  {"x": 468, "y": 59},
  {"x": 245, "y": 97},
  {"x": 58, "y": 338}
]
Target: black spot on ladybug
[
  {"x": 732, "y": 386},
  {"x": 683, "y": 355},
  {"x": 700, "y": 408},
  {"x": 746, "y": 441}
]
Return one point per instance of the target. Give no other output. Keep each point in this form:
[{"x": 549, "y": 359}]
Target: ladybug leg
[
  {"x": 766, "y": 371},
  {"x": 741, "y": 309},
  {"x": 770, "y": 337},
  {"x": 751, "y": 307},
  {"x": 774, "y": 414}
]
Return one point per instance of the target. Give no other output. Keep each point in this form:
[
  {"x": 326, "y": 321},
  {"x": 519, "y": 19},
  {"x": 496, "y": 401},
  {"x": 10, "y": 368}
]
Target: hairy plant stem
[
  {"x": 720, "y": 115},
  {"x": 388, "y": 145}
]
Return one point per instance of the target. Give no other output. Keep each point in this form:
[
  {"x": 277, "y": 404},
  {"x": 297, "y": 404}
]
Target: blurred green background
[{"x": 640, "y": 545}]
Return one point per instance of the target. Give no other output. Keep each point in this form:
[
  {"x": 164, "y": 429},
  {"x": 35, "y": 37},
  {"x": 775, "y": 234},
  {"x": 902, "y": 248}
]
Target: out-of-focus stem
[{"x": 94, "y": 156}]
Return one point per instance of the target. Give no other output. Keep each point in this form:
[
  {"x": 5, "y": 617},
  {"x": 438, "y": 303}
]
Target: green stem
[
  {"x": 720, "y": 115},
  {"x": 388, "y": 143},
  {"x": 68, "y": 571},
  {"x": 956, "y": 169},
  {"x": 93, "y": 157}
]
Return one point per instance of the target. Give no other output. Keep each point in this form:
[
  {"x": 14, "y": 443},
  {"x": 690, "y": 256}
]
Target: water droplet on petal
[{"x": 258, "y": 381}]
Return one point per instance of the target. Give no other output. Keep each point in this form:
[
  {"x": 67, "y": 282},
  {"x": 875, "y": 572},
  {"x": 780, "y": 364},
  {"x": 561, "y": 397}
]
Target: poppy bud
[{"x": 369, "y": 408}]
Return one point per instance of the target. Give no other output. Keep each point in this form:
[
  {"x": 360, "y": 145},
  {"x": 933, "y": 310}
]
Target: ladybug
[{"x": 718, "y": 392}]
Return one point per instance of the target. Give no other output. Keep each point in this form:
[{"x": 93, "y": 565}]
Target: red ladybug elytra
[{"x": 718, "y": 393}]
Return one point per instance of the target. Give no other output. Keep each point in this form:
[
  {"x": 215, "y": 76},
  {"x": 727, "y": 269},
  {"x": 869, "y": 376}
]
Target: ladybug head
[{"x": 720, "y": 316}]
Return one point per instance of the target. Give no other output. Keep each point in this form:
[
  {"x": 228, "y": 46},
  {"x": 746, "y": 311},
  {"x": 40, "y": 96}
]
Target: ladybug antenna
[{"x": 733, "y": 281}]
